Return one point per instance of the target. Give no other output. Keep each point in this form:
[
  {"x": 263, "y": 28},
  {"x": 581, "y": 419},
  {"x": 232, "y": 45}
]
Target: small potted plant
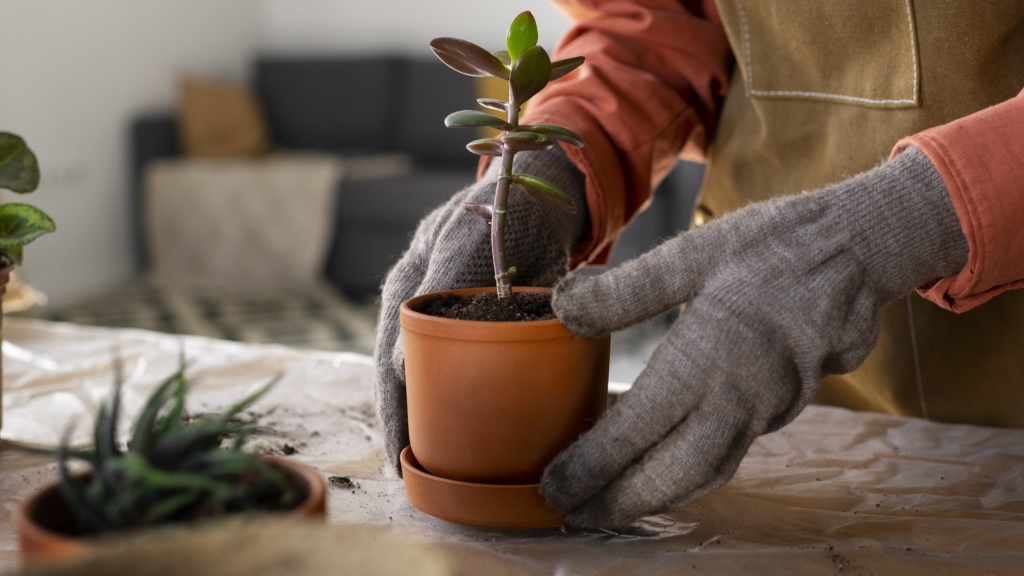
[
  {"x": 20, "y": 224},
  {"x": 490, "y": 403},
  {"x": 176, "y": 469}
]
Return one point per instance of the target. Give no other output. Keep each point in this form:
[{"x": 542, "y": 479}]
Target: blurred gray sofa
[{"x": 370, "y": 105}]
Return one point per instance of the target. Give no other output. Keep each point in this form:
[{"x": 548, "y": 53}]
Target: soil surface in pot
[{"x": 524, "y": 307}]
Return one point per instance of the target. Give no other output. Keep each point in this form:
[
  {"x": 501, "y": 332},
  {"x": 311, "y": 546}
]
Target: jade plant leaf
[
  {"x": 19, "y": 169},
  {"x": 475, "y": 118},
  {"x": 544, "y": 191},
  {"x": 485, "y": 147},
  {"x": 499, "y": 105},
  {"x": 505, "y": 57},
  {"x": 21, "y": 224},
  {"x": 530, "y": 74},
  {"x": 527, "y": 141},
  {"x": 560, "y": 68},
  {"x": 485, "y": 211},
  {"x": 522, "y": 35},
  {"x": 468, "y": 58},
  {"x": 555, "y": 133}
]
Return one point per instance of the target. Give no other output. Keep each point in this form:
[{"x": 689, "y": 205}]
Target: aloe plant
[
  {"x": 175, "y": 468},
  {"x": 528, "y": 69},
  {"x": 20, "y": 224}
]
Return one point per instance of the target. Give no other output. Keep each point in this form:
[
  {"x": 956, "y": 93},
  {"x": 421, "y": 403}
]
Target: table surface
[{"x": 833, "y": 492}]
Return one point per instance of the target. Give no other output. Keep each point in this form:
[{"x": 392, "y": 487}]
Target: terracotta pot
[
  {"x": 41, "y": 517},
  {"x": 494, "y": 402},
  {"x": 6, "y": 266}
]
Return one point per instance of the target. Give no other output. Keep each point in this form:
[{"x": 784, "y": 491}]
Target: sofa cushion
[
  {"x": 429, "y": 92},
  {"x": 331, "y": 104}
]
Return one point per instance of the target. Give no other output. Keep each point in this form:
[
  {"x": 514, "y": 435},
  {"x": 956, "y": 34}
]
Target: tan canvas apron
[{"x": 823, "y": 89}]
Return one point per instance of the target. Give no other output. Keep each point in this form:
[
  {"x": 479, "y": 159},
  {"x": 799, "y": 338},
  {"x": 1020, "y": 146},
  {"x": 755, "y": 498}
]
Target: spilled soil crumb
[
  {"x": 524, "y": 307},
  {"x": 343, "y": 481}
]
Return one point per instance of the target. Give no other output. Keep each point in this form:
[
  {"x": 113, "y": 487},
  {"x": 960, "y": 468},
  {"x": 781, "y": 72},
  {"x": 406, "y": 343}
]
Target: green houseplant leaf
[
  {"x": 530, "y": 74},
  {"x": 521, "y": 36},
  {"x": 560, "y": 68},
  {"x": 544, "y": 191},
  {"x": 475, "y": 118},
  {"x": 468, "y": 58},
  {"x": 555, "y": 133},
  {"x": 21, "y": 224},
  {"x": 527, "y": 141},
  {"x": 505, "y": 57},
  {"x": 499, "y": 105},
  {"x": 19, "y": 168},
  {"x": 485, "y": 147}
]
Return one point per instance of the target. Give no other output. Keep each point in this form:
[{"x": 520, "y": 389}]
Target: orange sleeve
[
  {"x": 655, "y": 75},
  {"x": 981, "y": 161}
]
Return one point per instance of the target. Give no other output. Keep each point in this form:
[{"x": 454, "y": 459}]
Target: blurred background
[{"x": 249, "y": 169}]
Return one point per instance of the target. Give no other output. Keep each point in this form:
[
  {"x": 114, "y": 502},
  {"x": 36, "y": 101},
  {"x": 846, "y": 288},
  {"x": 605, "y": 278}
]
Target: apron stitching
[
  {"x": 917, "y": 359},
  {"x": 750, "y": 68}
]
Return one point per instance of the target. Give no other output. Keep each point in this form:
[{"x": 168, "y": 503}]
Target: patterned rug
[{"x": 320, "y": 320}]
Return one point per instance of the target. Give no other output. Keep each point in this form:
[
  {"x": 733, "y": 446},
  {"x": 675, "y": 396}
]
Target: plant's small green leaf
[
  {"x": 505, "y": 57},
  {"x": 521, "y": 36},
  {"x": 560, "y": 68},
  {"x": 250, "y": 399},
  {"x": 468, "y": 58},
  {"x": 485, "y": 211},
  {"x": 555, "y": 133},
  {"x": 544, "y": 191},
  {"x": 142, "y": 436},
  {"x": 527, "y": 141},
  {"x": 164, "y": 510},
  {"x": 485, "y": 147},
  {"x": 90, "y": 515},
  {"x": 499, "y": 105},
  {"x": 19, "y": 172},
  {"x": 13, "y": 254},
  {"x": 475, "y": 118},
  {"x": 21, "y": 224},
  {"x": 10, "y": 146},
  {"x": 529, "y": 74}
]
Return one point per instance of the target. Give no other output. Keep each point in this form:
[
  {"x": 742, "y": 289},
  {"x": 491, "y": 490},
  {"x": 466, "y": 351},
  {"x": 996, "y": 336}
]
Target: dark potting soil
[{"x": 524, "y": 307}]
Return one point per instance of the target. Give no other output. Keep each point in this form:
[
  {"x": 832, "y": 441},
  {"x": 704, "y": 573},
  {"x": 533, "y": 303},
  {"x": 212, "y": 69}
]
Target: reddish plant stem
[{"x": 502, "y": 272}]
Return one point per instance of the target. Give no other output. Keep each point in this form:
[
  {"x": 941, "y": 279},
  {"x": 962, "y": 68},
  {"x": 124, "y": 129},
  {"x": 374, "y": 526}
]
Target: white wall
[
  {"x": 72, "y": 73},
  {"x": 397, "y": 26}
]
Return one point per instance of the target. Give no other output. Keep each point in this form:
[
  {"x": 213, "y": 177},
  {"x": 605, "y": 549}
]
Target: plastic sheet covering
[{"x": 835, "y": 492}]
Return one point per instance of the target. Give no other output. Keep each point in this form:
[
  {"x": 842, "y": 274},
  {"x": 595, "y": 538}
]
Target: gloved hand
[
  {"x": 778, "y": 295},
  {"x": 451, "y": 249}
]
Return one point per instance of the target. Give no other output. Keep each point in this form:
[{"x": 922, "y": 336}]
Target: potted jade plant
[
  {"x": 490, "y": 403},
  {"x": 175, "y": 469},
  {"x": 19, "y": 223}
]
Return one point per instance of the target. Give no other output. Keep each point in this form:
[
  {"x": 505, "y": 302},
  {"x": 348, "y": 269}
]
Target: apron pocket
[{"x": 857, "y": 52}]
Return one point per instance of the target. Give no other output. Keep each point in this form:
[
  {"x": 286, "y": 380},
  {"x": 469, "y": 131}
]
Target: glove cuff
[{"x": 903, "y": 223}]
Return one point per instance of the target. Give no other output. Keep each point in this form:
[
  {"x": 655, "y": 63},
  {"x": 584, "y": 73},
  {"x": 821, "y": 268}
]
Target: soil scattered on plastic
[
  {"x": 343, "y": 481},
  {"x": 524, "y": 307}
]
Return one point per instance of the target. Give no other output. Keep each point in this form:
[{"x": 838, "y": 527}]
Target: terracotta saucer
[{"x": 511, "y": 506}]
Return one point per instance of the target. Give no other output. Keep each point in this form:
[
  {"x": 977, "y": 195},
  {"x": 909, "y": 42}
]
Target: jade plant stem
[{"x": 502, "y": 273}]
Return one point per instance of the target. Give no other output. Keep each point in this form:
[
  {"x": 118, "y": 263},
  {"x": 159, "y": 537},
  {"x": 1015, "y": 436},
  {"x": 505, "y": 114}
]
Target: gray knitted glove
[
  {"x": 777, "y": 295},
  {"x": 451, "y": 249}
]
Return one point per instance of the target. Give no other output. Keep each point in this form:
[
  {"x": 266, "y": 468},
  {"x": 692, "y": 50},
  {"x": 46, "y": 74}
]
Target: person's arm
[
  {"x": 981, "y": 161},
  {"x": 655, "y": 75}
]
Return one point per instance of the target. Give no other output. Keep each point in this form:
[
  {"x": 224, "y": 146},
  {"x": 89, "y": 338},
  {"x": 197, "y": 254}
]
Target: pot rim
[
  {"x": 313, "y": 504},
  {"x": 478, "y": 330}
]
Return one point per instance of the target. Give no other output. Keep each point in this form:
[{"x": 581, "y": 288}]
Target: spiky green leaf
[
  {"x": 485, "y": 147},
  {"x": 475, "y": 119},
  {"x": 555, "y": 133},
  {"x": 560, "y": 68},
  {"x": 19, "y": 168},
  {"x": 21, "y": 224},
  {"x": 468, "y": 58},
  {"x": 544, "y": 191},
  {"x": 529, "y": 74},
  {"x": 521, "y": 35}
]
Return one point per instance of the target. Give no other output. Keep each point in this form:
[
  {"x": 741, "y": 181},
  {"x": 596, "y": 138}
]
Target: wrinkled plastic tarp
[{"x": 833, "y": 492}]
